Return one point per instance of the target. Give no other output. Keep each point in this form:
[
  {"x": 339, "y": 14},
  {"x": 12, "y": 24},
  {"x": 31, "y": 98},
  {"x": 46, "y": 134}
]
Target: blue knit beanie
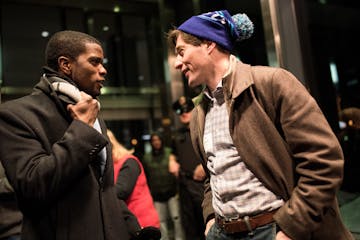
[{"x": 219, "y": 27}]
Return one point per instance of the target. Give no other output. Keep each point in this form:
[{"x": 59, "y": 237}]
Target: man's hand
[
  {"x": 282, "y": 236},
  {"x": 199, "y": 173},
  {"x": 174, "y": 166},
  {"x": 86, "y": 110},
  {"x": 209, "y": 225}
]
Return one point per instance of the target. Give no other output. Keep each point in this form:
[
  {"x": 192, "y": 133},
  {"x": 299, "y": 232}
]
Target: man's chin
[
  {"x": 96, "y": 93},
  {"x": 192, "y": 83}
]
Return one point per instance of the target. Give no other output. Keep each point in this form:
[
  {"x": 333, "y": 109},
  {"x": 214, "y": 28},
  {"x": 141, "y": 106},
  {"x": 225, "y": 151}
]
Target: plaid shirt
[{"x": 236, "y": 191}]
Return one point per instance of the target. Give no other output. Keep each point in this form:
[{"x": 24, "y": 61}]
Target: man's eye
[
  {"x": 95, "y": 61},
  {"x": 179, "y": 52}
]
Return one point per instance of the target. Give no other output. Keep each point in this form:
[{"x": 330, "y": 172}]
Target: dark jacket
[
  {"x": 51, "y": 161},
  {"x": 285, "y": 140},
  {"x": 10, "y": 215},
  {"x": 162, "y": 183},
  {"x": 184, "y": 152}
]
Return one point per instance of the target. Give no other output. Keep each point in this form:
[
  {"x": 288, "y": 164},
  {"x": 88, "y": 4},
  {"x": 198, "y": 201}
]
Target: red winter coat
[{"x": 140, "y": 202}]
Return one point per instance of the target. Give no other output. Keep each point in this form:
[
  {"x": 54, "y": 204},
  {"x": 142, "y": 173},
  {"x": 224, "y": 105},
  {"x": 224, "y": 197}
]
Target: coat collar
[
  {"x": 237, "y": 79},
  {"x": 49, "y": 72},
  {"x": 44, "y": 86},
  {"x": 50, "y": 76}
]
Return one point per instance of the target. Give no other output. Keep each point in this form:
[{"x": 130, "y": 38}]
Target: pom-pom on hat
[{"x": 219, "y": 27}]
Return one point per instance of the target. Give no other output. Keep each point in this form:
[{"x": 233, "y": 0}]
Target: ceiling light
[{"x": 45, "y": 34}]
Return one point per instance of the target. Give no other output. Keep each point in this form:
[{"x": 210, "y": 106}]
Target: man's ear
[
  {"x": 210, "y": 46},
  {"x": 64, "y": 65}
]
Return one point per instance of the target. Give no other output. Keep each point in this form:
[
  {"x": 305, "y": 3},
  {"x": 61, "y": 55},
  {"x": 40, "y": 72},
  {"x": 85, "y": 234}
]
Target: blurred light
[
  {"x": 105, "y": 28},
  {"x": 90, "y": 21},
  {"x": 350, "y": 123},
  {"x": 103, "y": 90},
  {"x": 334, "y": 73},
  {"x": 134, "y": 142},
  {"x": 342, "y": 124},
  {"x": 322, "y": 1},
  {"x": 166, "y": 121},
  {"x": 45, "y": 34},
  {"x": 105, "y": 61},
  {"x": 147, "y": 147},
  {"x": 116, "y": 8},
  {"x": 145, "y": 137}
]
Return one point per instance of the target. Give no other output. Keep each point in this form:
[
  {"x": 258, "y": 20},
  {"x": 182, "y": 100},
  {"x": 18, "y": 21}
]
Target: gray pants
[{"x": 170, "y": 208}]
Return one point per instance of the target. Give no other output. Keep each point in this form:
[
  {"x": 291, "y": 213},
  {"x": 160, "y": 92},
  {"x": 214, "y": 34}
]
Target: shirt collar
[
  {"x": 210, "y": 94},
  {"x": 217, "y": 95}
]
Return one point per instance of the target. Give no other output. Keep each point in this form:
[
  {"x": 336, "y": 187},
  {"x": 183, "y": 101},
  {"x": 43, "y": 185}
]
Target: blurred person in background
[
  {"x": 190, "y": 172},
  {"x": 163, "y": 186},
  {"x": 131, "y": 185}
]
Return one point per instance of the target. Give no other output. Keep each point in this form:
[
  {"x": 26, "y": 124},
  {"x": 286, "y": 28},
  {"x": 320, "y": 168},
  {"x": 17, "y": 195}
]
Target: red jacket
[{"x": 140, "y": 202}]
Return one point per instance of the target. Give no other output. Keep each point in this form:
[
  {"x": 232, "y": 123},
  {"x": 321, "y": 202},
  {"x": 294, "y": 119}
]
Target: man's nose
[
  {"x": 102, "y": 70},
  {"x": 178, "y": 63}
]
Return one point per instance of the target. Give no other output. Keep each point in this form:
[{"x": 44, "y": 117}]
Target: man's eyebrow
[
  {"x": 177, "y": 48},
  {"x": 96, "y": 59}
]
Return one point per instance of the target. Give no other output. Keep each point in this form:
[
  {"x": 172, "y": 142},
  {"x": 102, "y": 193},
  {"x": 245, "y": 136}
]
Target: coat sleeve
[
  {"x": 5, "y": 187},
  {"x": 127, "y": 178},
  {"x": 208, "y": 211},
  {"x": 131, "y": 221},
  {"x": 317, "y": 156},
  {"x": 41, "y": 172}
]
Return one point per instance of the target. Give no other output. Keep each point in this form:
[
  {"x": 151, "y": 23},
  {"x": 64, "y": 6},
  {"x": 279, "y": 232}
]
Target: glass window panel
[{"x": 23, "y": 41}]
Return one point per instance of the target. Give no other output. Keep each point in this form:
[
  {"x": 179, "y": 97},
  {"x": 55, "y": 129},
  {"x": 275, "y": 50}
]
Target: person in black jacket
[
  {"x": 190, "y": 172},
  {"x": 56, "y": 153}
]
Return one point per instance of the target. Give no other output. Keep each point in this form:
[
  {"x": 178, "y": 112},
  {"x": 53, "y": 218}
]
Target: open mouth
[{"x": 100, "y": 83}]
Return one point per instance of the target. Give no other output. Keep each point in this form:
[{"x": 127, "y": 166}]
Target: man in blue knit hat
[{"x": 273, "y": 163}]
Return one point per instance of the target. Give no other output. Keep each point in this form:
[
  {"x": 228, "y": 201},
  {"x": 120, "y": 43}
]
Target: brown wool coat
[
  {"x": 284, "y": 139},
  {"x": 52, "y": 163}
]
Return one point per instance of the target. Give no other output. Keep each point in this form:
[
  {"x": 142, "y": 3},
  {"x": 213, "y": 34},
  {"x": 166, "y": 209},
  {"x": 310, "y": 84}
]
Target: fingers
[
  {"x": 199, "y": 173},
  {"x": 89, "y": 99},
  {"x": 209, "y": 225},
  {"x": 85, "y": 110},
  {"x": 282, "y": 236}
]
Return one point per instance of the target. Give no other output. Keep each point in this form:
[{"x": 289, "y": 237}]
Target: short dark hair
[{"x": 66, "y": 43}]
